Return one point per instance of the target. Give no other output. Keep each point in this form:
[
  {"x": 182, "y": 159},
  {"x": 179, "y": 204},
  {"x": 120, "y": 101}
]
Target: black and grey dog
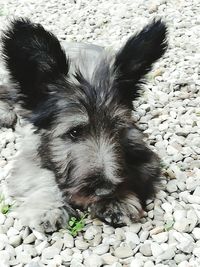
[{"x": 81, "y": 147}]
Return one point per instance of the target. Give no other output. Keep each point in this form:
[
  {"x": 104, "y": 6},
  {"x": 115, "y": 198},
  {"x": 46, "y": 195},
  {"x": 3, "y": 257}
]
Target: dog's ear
[
  {"x": 136, "y": 57},
  {"x": 34, "y": 58}
]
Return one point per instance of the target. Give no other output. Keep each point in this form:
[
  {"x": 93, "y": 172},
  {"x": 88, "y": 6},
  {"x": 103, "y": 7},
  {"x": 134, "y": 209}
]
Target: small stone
[
  {"x": 4, "y": 256},
  {"x": 157, "y": 230},
  {"x": 109, "y": 259},
  {"x": 2, "y": 245},
  {"x": 196, "y": 252},
  {"x": 145, "y": 249},
  {"x": 12, "y": 231},
  {"x": 86, "y": 253},
  {"x": 184, "y": 264},
  {"x": 149, "y": 264},
  {"x": 30, "y": 249},
  {"x": 39, "y": 235},
  {"x": 25, "y": 233},
  {"x": 68, "y": 240},
  {"x": 119, "y": 234},
  {"x": 91, "y": 232},
  {"x": 137, "y": 263},
  {"x": 196, "y": 233},
  {"x": 32, "y": 264},
  {"x": 101, "y": 249},
  {"x": 18, "y": 225},
  {"x": 39, "y": 248},
  {"x": 167, "y": 207},
  {"x": 50, "y": 252},
  {"x": 23, "y": 257},
  {"x": 66, "y": 255},
  {"x": 96, "y": 241},
  {"x": 80, "y": 244},
  {"x": 93, "y": 261},
  {"x": 171, "y": 186},
  {"x": 144, "y": 235},
  {"x": 76, "y": 263},
  {"x": 168, "y": 254},
  {"x": 135, "y": 228},
  {"x": 15, "y": 240},
  {"x": 161, "y": 237},
  {"x": 108, "y": 229},
  {"x": 2, "y": 218},
  {"x": 186, "y": 246},
  {"x": 132, "y": 238},
  {"x": 153, "y": 8},
  {"x": 123, "y": 252},
  {"x": 156, "y": 249},
  {"x": 29, "y": 239},
  {"x": 9, "y": 223}
]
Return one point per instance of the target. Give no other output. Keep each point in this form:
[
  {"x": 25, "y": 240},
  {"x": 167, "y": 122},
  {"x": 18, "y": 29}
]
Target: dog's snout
[{"x": 104, "y": 192}]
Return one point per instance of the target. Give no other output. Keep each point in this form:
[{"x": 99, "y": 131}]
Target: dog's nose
[{"x": 103, "y": 192}]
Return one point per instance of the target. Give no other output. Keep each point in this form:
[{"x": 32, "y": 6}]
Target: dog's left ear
[{"x": 135, "y": 59}]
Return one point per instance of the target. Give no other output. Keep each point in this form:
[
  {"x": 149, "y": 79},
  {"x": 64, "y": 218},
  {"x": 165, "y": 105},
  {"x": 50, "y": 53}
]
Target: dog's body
[{"x": 83, "y": 148}]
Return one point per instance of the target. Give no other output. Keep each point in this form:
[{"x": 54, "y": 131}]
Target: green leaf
[
  {"x": 168, "y": 225},
  {"x": 5, "y": 209}
]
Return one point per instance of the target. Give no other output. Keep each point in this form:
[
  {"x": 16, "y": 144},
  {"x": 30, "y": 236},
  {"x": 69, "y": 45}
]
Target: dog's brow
[{"x": 68, "y": 123}]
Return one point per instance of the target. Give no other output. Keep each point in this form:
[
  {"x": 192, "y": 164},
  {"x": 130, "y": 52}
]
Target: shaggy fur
[{"x": 83, "y": 148}]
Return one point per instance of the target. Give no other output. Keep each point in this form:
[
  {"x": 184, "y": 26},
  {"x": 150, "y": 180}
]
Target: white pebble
[
  {"x": 68, "y": 240},
  {"x": 123, "y": 252},
  {"x": 101, "y": 249},
  {"x": 80, "y": 244},
  {"x": 93, "y": 261}
]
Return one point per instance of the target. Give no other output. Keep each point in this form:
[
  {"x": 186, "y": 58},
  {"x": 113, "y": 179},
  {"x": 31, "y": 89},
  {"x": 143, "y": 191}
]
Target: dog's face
[{"x": 88, "y": 136}]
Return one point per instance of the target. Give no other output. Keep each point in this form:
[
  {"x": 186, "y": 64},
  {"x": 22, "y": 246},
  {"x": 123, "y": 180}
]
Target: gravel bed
[{"x": 169, "y": 112}]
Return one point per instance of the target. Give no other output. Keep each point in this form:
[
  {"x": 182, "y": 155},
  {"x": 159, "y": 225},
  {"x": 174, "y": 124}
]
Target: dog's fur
[{"x": 83, "y": 148}]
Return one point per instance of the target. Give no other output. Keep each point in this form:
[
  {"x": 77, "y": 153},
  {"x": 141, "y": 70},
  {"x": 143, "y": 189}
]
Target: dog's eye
[{"x": 76, "y": 133}]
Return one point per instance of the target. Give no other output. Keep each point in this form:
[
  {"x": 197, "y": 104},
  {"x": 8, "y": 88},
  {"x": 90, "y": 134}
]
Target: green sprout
[
  {"x": 76, "y": 225},
  {"x": 4, "y": 207},
  {"x": 168, "y": 225}
]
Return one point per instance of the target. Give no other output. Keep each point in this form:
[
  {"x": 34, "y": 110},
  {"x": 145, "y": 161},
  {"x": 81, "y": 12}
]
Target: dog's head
[{"x": 88, "y": 136}]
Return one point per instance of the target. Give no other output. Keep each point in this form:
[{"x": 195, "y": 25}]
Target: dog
[{"x": 81, "y": 147}]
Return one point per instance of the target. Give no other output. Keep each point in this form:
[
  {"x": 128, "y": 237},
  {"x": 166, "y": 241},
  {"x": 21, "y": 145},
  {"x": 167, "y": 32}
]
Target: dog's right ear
[{"x": 34, "y": 57}]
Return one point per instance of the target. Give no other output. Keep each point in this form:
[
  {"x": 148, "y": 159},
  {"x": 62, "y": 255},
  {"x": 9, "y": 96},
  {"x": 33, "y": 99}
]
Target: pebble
[
  {"x": 101, "y": 249},
  {"x": 29, "y": 239},
  {"x": 145, "y": 249},
  {"x": 80, "y": 244},
  {"x": 160, "y": 237},
  {"x": 123, "y": 252},
  {"x": 137, "y": 263},
  {"x": 109, "y": 259},
  {"x": 2, "y": 218},
  {"x": 91, "y": 232},
  {"x": 50, "y": 252},
  {"x": 156, "y": 230},
  {"x": 39, "y": 248},
  {"x": 143, "y": 236},
  {"x": 156, "y": 249},
  {"x": 4, "y": 256},
  {"x": 68, "y": 240},
  {"x": 15, "y": 240},
  {"x": 93, "y": 261},
  {"x": 196, "y": 233},
  {"x": 132, "y": 238}
]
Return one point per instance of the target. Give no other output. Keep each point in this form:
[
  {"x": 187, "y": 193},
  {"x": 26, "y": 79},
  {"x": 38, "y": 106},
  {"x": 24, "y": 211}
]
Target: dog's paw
[
  {"x": 119, "y": 212},
  {"x": 55, "y": 219}
]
